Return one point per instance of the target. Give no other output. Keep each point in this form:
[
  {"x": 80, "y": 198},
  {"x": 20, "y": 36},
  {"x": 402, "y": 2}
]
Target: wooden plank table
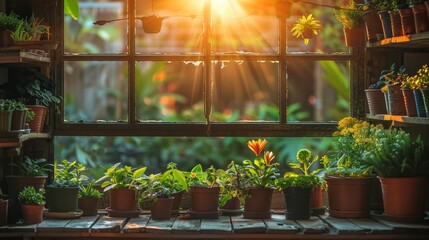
[{"x": 225, "y": 227}]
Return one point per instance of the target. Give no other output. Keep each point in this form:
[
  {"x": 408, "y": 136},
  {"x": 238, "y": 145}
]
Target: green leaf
[
  {"x": 71, "y": 7},
  {"x": 197, "y": 169},
  {"x": 180, "y": 178},
  {"x": 139, "y": 172}
]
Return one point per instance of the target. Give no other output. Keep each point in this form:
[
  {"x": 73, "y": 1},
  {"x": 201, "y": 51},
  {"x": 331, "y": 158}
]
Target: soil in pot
[
  {"x": 161, "y": 208},
  {"x": 298, "y": 203},
  {"x": 32, "y": 214}
]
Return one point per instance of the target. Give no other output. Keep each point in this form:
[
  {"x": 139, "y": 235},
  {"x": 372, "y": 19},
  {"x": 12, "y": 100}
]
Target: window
[{"x": 215, "y": 68}]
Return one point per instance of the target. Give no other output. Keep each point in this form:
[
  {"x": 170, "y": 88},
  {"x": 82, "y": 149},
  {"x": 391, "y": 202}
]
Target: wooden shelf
[
  {"x": 20, "y": 56},
  {"x": 418, "y": 40},
  {"x": 399, "y": 119},
  {"x": 14, "y": 139}
]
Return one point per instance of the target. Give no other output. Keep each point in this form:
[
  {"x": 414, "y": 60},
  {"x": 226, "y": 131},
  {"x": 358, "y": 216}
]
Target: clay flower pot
[
  {"x": 376, "y": 101},
  {"x": 204, "y": 199},
  {"x": 354, "y": 37},
  {"x": 32, "y": 214},
  {"x": 152, "y": 24},
  {"x": 89, "y": 206},
  {"x": 161, "y": 209},
  {"x": 258, "y": 203},
  {"x": 409, "y": 101},
  {"x": 123, "y": 199}
]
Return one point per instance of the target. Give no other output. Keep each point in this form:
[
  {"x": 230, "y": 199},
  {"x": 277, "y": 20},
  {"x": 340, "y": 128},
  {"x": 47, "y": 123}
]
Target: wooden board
[
  {"x": 313, "y": 225},
  {"x": 136, "y": 225},
  {"x": 81, "y": 225},
  {"x": 108, "y": 224},
  {"x": 242, "y": 225},
  {"x": 343, "y": 226},
  {"x": 278, "y": 224},
  {"x": 371, "y": 226},
  {"x": 405, "y": 227},
  {"x": 53, "y": 225},
  {"x": 216, "y": 226},
  {"x": 186, "y": 226},
  {"x": 23, "y": 228},
  {"x": 159, "y": 226}
]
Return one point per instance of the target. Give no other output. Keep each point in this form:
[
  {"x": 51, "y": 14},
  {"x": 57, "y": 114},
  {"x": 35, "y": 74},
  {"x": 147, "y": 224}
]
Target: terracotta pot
[
  {"x": 404, "y": 198},
  {"x": 5, "y": 120},
  {"x": 204, "y": 199},
  {"x": 18, "y": 119},
  {"x": 3, "y": 212},
  {"x": 32, "y": 214},
  {"x": 376, "y": 101},
  {"x": 283, "y": 8},
  {"x": 376, "y": 199},
  {"x": 420, "y": 18},
  {"x": 407, "y": 21},
  {"x": 349, "y": 197},
  {"x": 395, "y": 20},
  {"x": 316, "y": 198},
  {"x": 420, "y": 105},
  {"x": 354, "y": 37},
  {"x": 177, "y": 201},
  {"x": 161, "y": 209},
  {"x": 5, "y": 39},
  {"x": 37, "y": 124},
  {"x": 61, "y": 199},
  {"x": 298, "y": 203},
  {"x": 386, "y": 23},
  {"x": 258, "y": 200},
  {"x": 372, "y": 24},
  {"x": 123, "y": 199},
  {"x": 410, "y": 104},
  {"x": 89, "y": 206},
  {"x": 396, "y": 100}
]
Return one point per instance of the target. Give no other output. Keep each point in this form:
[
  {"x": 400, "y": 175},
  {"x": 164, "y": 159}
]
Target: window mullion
[
  {"x": 282, "y": 72},
  {"x": 131, "y": 63},
  {"x": 207, "y": 61}
]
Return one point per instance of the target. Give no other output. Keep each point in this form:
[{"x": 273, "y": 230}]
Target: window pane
[
  {"x": 329, "y": 40},
  {"x": 318, "y": 90},
  {"x": 83, "y": 37},
  {"x": 99, "y": 153},
  {"x": 95, "y": 91},
  {"x": 169, "y": 91},
  {"x": 181, "y": 27},
  {"x": 245, "y": 91}
]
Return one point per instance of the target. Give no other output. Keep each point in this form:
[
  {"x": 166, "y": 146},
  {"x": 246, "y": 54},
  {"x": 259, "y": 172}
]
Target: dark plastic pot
[
  {"x": 395, "y": 20},
  {"x": 420, "y": 105},
  {"x": 410, "y": 103},
  {"x": 386, "y": 23},
  {"x": 62, "y": 199},
  {"x": 376, "y": 101}
]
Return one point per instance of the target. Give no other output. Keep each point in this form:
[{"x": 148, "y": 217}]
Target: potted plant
[
  {"x": 35, "y": 27},
  {"x": 8, "y": 23},
  {"x": 32, "y": 204},
  {"x": 18, "y": 115},
  {"x": 62, "y": 193},
  {"x": 306, "y": 27},
  {"x": 395, "y": 17},
  {"x": 420, "y": 84},
  {"x": 409, "y": 100},
  {"x": 258, "y": 181},
  {"x": 32, "y": 172},
  {"x": 232, "y": 194},
  {"x": 376, "y": 99},
  {"x": 347, "y": 175},
  {"x": 297, "y": 190},
  {"x": 393, "y": 77},
  {"x": 420, "y": 15},
  {"x": 122, "y": 184},
  {"x": 88, "y": 198},
  {"x": 6, "y": 110},
  {"x": 351, "y": 16},
  {"x": 205, "y": 191},
  {"x": 372, "y": 20},
  {"x": 305, "y": 161},
  {"x": 20, "y": 35},
  {"x": 177, "y": 180},
  {"x": 402, "y": 168}
]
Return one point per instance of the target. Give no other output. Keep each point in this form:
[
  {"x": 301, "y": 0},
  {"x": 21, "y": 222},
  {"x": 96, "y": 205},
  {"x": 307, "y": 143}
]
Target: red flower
[
  {"x": 257, "y": 146},
  {"x": 268, "y": 157}
]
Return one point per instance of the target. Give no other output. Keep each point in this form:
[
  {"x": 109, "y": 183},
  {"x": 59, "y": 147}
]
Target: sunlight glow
[{"x": 226, "y": 8}]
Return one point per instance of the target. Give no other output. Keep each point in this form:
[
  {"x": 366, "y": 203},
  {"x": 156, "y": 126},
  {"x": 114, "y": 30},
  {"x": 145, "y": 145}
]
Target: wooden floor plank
[
  {"x": 278, "y": 224},
  {"x": 136, "y": 225},
  {"x": 343, "y": 225},
  {"x": 404, "y": 227},
  {"x": 23, "y": 228},
  {"x": 159, "y": 226},
  {"x": 81, "y": 225},
  {"x": 109, "y": 224},
  {"x": 186, "y": 226},
  {"x": 216, "y": 226},
  {"x": 371, "y": 226},
  {"x": 242, "y": 225},
  {"x": 53, "y": 225},
  {"x": 313, "y": 225}
]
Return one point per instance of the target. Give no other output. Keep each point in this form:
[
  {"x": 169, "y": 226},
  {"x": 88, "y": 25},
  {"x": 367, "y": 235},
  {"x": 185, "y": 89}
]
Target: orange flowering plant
[{"x": 262, "y": 171}]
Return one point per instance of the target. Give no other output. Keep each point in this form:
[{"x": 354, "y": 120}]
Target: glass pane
[
  {"x": 329, "y": 40},
  {"x": 318, "y": 90},
  {"x": 169, "y": 91},
  {"x": 83, "y": 37},
  {"x": 181, "y": 26},
  {"x": 245, "y": 91},
  {"x": 99, "y": 153},
  {"x": 239, "y": 27},
  {"x": 95, "y": 91}
]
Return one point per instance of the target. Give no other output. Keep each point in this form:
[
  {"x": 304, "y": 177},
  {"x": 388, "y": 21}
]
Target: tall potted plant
[
  {"x": 32, "y": 204},
  {"x": 258, "y": 181},
  {"x": 6, "y": 110},
  {"x": 347, "y": 175},
  {"x": 177, "y": 179},
  {"x": 232, "y": 194},
  {"x": 62, "y": 194},
  {"x": 393, "y": 77},
  {"x": 88, "y": 198},
  {"x": 123, "y": 184},
  {"x": 351, "y": 16},
  {"x": 402, "y": 168},
  {"x": 8, "y": 23}
]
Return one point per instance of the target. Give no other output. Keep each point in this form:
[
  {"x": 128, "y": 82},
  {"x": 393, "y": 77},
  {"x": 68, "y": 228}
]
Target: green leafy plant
[
  {"x": 157, "y": 187},
  {"x": 68, "y": 174},
  {"x": 30, "y": 115},
  {"x": 5, "y": 105},
  {"x": 123, "y": 177},
  {"x": 199, "y": 178},
  {"x": 306, "y": 27},
  {"x": 420, "y": 80},
  {"x": 302, "y": 181},
  {"x": 305, "y": 162},
  {"x": 230, "y": 183},
  {"x": 175, "y": 177},
  {"x": 89, "y": 191},
  {"x": 35, "y": 25},
  {"x": 393, "y": 76},
  {"x": 30, "y": 196},
  {"x": 20, "y": 34},
  {"x": 396, "y": 154},
  {"x": 261, "y": 172},
  {"x": 9, "y": 22},
  {"x": 350, "y": 15},
  {"x": 33, "y": 167}
]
